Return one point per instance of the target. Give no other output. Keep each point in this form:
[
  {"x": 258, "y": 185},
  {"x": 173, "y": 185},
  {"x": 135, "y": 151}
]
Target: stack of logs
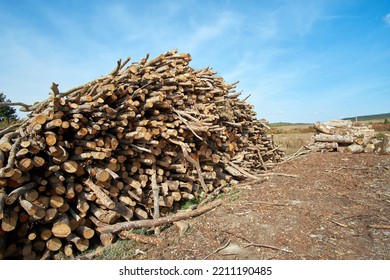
[
  {"x": 132, "y": 145},
  {"x": 344, "y": 136}
]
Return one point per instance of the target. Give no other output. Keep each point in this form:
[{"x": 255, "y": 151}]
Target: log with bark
[{"x": 129, "y": 146}]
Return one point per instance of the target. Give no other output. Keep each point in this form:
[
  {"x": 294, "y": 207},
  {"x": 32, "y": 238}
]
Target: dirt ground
[{"x": 337, "y": 208}]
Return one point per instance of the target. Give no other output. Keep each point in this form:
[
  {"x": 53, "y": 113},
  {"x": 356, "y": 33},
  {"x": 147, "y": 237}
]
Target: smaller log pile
[
  {"x": 132, "y": 145},
  {"x": 344, "y": 136}
]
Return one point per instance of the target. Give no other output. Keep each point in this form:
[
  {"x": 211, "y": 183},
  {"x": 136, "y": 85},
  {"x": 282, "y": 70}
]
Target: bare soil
[{"x": 337, "y": 208}]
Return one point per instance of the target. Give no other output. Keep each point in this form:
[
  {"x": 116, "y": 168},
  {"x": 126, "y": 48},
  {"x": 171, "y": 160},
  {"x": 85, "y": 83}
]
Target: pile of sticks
[
  {"x": 344, "y": 136},
  {"x": 132, "y": 145}
]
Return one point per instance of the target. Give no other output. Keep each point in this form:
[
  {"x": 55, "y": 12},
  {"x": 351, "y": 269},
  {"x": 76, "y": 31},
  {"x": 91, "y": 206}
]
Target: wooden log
[
  {"x": 107, "y": 238},
  {"x": 56, "y": 201},
  {"x": 140, "y": 213},
  {"x": 385, "y": 149},
  {"x": 355, "y": 149},
  {"x": 105, "y": 216},
  {"x": 156, "y": 199},
  {"x": 31, "y": 209},
  {"x": 69, "y": 166},
  {"x": 341, "y": 139},
  {"x": 2, "y": 202},
  {"x": 5, "y": 141},
  {"x": 61, "y": 226},
  {"x": 25, "y": 164},
  {"x": 81, "y": 244},
  {"x": 9, "y": 221},
  {"x": 68, "y": 250},
  {"x": 39, "y": 245},
  {"x": 54, "y": 244},
  {"x": 50, "y": 215},
  {"x": 2, "y": 158},
  {"x": 321, "y": 146},
  {"x": 50, "y": 138},
  {"x": 39, "y": 161},
  {"x": 26, "y": 250},
  {"x": 45, "y": 233},
  {"x": 8, "y": 170},
  {"x": 157, "y": 222},
  {"x": 70, "y": 187},
  {"x": 104, "y": 198},
  {"x": 31, "y": 195},
  {"x": 123, "y": 211},
  {"x": 141, "y": 238},
  {"x": 85, "y": 232},
  {"x": 100, "y": 174},
  {"x": 82, "y": 205}
]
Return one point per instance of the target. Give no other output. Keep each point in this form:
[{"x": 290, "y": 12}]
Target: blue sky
[{"x": 301, "y": 61}]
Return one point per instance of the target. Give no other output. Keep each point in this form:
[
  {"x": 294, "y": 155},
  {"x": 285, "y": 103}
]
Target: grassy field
[
  {"x": 291, "y": 143},
  {"x": 291, "y": 137}
]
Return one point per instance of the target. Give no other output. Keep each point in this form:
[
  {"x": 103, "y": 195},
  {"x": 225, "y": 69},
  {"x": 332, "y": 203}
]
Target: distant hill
[
  {"x": 370, "y": 117},
  {"x": 277, "y": 124}
]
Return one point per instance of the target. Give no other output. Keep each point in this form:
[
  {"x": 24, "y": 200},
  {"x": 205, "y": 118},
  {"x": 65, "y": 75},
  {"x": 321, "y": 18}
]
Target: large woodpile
[
  {"x": 132, "y": 145},
  {"x": 344, "y": 136}
]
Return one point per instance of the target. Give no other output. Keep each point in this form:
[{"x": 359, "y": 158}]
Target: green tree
[
  {"x": 7, "y": 113},
  {"x": 386, "y": 121}
]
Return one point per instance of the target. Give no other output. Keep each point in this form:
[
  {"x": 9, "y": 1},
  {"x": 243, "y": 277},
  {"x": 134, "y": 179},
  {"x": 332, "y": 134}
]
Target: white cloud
[
  {"x": 223, "y": 26},
  {"x": 387, "y": 19}
]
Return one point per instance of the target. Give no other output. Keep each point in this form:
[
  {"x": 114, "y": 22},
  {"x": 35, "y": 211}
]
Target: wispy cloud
[
  {"x": 214, "y": 32},
  {"x": 387, "y": 19}
]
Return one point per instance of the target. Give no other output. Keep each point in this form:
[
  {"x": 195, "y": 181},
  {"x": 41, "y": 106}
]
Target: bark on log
[
  {"x": 355, "y": 149},
  {"x": 61, "y": 226},
  {"x": 386, "y": 145},
  {"x": 342, "y": 139},
  {"x": 158, "y": 222},
  {"x": 2, "y": 202},
  {"x": 104, "y": 198}
]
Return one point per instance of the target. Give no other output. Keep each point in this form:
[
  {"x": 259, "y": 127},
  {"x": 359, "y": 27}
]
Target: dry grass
[
  {"x": 292, "y": 137},
  {"x": 292, "y": 142}
]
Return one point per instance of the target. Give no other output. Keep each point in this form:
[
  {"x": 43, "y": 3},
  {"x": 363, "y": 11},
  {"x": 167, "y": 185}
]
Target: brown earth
[{"x": 337, "y": 208}]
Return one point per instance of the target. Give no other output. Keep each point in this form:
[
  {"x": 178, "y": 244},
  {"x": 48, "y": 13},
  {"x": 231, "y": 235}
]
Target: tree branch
[{"x": 158, "y": 222}]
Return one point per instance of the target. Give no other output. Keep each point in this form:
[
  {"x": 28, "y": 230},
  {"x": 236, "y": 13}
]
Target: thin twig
[
  {"x": 142, "y": 149},
  {"x": 379, "y": 226},
  {"x": 156, "y": 198},
  {"x": 246, "y": 98},
  {"x": 266, "y": 246},
  {"x": 15, "y": 104},
  {"x": 186, "y": 123},
  {"x": 340, "y": 224},
  {"x": 245, "y": 173},
  {"x": 211, "y": 195},
  {"x": 217, "y": 250},
  {"x": 251, "y": 244},
  {"x": 277, "y": 174}
]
